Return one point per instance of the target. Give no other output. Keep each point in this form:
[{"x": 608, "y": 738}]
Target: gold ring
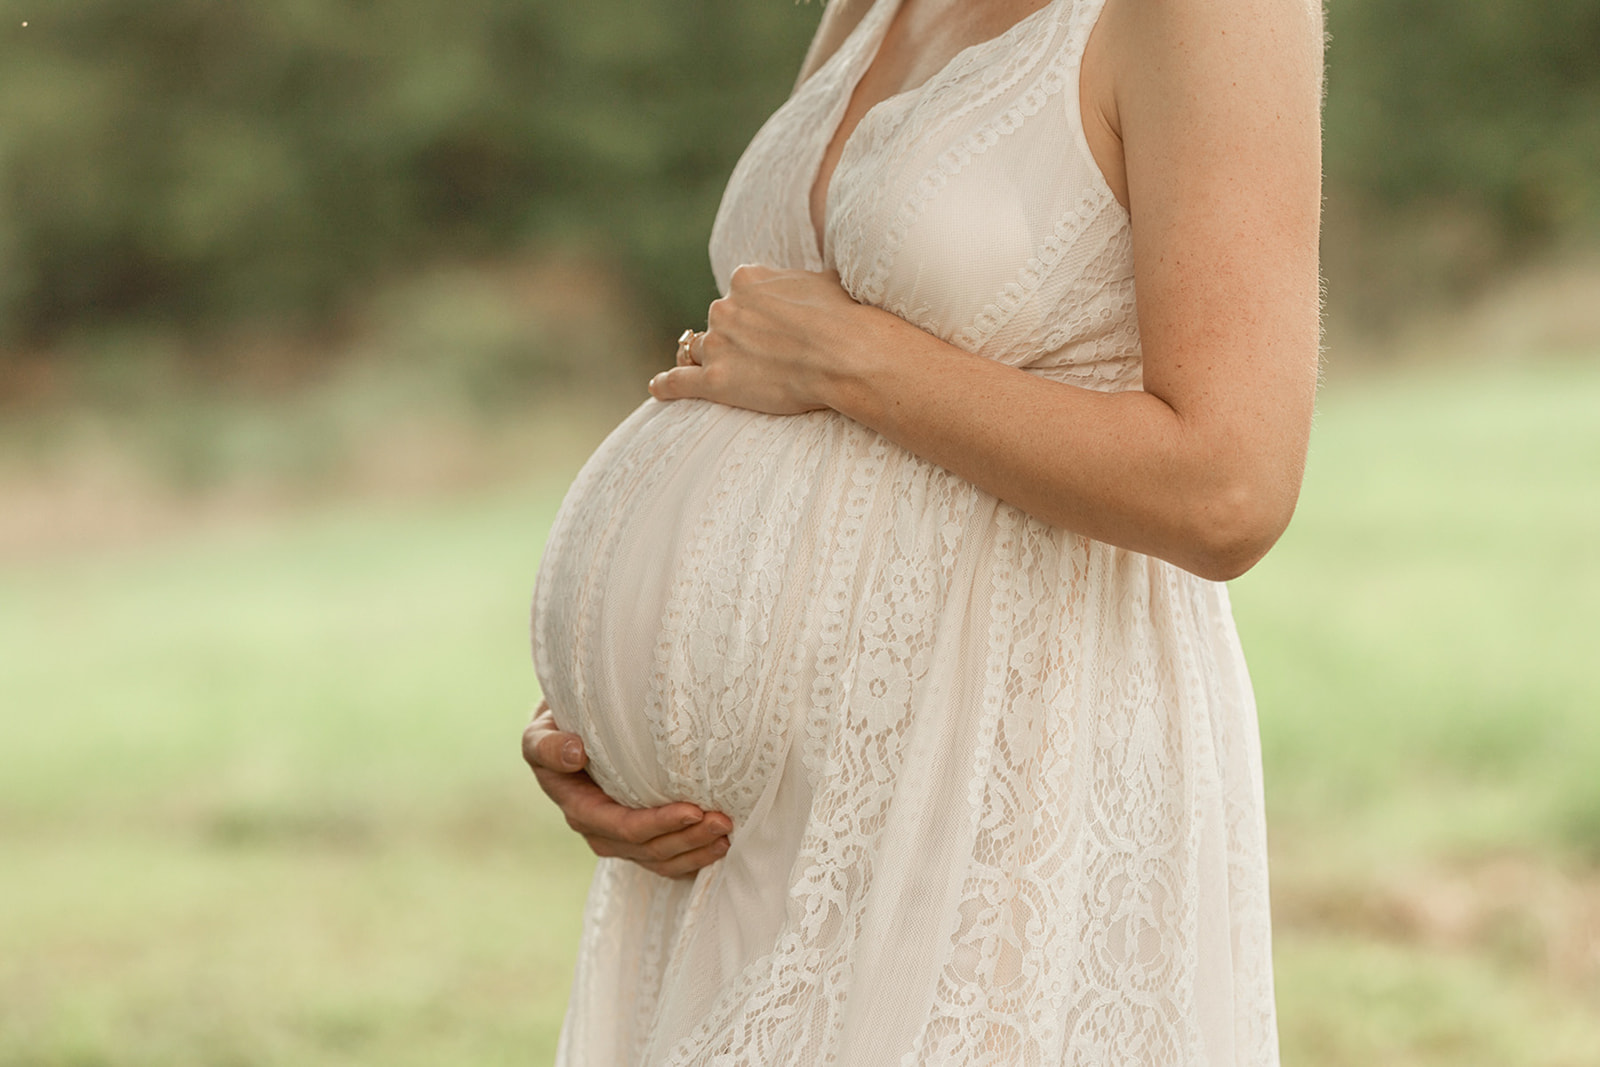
[{"x": 686, "y": 348}]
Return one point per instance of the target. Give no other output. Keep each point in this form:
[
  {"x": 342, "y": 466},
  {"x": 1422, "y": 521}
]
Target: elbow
[
  {"x": 1233, "y": 529},
  {"x": 1226, "y": 563}
]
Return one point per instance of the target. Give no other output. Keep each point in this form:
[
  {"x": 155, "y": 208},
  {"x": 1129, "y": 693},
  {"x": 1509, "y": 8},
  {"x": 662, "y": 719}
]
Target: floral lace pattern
[{"x": 996, "y": 787}]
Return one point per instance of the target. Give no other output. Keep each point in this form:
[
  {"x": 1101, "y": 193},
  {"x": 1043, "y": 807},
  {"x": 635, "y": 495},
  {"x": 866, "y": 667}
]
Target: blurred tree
[
  {"x": 1460, "y": 133},
  {"x": 1497, "y": 101},
  {"x": 194, "y": 163},
  {"x": 191, "y": 164}
]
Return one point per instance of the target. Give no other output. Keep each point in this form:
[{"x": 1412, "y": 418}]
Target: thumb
[
  {"x": 565, "y": 752},
  {"x": 551, "y": 749},
  {"x": 572, "y": 755}
]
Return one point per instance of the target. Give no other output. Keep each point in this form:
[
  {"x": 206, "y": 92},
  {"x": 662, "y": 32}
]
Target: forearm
[{"x": 1126, "y": 468}]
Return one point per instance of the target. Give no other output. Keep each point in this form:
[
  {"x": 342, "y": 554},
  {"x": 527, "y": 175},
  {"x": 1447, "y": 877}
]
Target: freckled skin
[
  {"x": 1205, "y": 118},
  {"x": 1204, "y": 115}
]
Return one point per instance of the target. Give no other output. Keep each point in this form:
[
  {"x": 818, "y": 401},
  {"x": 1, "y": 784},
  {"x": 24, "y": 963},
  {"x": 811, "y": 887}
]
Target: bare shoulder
[
  {"x": 1226, "y": 95},
  {"x": 1188, "y": 60},
  {"x": 1197, "y": 36},
  {"x": 838, "y": 19}
]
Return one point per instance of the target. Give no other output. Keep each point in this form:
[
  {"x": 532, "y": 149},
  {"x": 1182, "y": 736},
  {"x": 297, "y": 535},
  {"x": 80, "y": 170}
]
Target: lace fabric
[{"x": 996, "y": 786}]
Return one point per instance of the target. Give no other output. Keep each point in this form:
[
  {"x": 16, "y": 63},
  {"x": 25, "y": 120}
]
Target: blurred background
[{"x": 310, "y": 310}]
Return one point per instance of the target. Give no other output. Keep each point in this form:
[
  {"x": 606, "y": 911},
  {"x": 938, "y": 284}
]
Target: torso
[
  {"x": 1007, "y": 245},
  {"x": 882, "y": 673}
]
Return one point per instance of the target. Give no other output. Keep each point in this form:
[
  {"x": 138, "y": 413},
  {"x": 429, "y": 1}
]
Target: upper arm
[{"x": 1218, "y": 106}]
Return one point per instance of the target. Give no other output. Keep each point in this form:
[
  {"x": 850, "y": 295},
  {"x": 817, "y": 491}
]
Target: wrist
[{"x": 862, "y": 352}]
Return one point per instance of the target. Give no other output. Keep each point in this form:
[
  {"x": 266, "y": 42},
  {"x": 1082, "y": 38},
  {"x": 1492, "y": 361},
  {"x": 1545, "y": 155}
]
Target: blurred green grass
[{"x": 261, "y": 801}]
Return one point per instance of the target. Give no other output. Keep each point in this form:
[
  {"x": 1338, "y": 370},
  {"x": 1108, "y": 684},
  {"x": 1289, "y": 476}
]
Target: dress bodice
[{"x": 969, "y": 205}]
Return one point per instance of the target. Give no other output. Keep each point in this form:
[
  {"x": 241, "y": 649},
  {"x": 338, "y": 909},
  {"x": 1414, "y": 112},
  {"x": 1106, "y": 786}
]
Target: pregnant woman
[{"x": 887, "y": 658}]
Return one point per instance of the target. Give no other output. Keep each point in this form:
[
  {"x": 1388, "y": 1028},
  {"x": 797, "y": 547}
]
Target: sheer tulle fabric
[{"x": 996, "y": 786}]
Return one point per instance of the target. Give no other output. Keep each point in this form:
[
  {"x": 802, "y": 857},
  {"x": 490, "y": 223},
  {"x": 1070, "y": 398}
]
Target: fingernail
[
  {"x": 688, "y": 820},
  {"x": 572, "y": 752},
  {"x": 722, "y": 846}
]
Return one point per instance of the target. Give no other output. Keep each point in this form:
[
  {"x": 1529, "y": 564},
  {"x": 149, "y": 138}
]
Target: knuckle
[
  {"x": 713, "y": 349},
  {"x": 545, "y": 749},
  {"x": 532, "y": 735}
]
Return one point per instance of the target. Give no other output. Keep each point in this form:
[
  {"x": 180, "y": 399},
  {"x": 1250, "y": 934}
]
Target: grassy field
[{"x": 261, "y": 801}]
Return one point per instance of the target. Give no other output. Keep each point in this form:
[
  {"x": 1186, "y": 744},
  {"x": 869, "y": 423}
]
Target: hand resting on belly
[{"x": 673, "y": 840}]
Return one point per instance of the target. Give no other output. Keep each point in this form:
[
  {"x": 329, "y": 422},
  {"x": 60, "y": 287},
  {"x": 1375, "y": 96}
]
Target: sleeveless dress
[{"x": 995, "y": 786}]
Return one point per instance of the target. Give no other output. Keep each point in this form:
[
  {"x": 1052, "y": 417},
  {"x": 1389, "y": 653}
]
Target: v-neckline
[{"x": 853, "y": 80}]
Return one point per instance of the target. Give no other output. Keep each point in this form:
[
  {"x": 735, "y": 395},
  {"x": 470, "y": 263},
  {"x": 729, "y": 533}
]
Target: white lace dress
[{"x": 996, "y": 787}]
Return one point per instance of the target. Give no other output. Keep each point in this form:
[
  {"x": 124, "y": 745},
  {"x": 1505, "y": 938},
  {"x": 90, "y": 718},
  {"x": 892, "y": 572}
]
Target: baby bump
[{"x": 669, "y": 610}]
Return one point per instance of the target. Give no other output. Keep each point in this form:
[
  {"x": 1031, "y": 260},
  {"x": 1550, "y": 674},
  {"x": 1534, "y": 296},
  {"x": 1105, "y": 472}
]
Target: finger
[
  {"x": 555, "y": 750},
  {"x": 640, "y": 826},
  {"x": 592, "y": 813},
  {"x": 707, "y": 831},
  {"x": 679, "y": 383},
  {"x": 577, "y": 795},
  {"x": 543, "y": 717},
  {"x": 690, "y": 863}
]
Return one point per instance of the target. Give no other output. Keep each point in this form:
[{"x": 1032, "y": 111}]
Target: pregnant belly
[{"x": 670, "y": 625}]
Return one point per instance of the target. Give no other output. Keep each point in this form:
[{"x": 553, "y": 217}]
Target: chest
[
  {"x": 967, "y": 204},
  {"x": 922, "y": 38}
]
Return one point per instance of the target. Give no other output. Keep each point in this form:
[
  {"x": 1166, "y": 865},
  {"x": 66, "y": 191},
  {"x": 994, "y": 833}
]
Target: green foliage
[
  {"x": 1492, "y": 103},
  {"x": 196, "y": 163},
  {"x": 187, "y": 165},
  {"x": 1462, "y": 136}
]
